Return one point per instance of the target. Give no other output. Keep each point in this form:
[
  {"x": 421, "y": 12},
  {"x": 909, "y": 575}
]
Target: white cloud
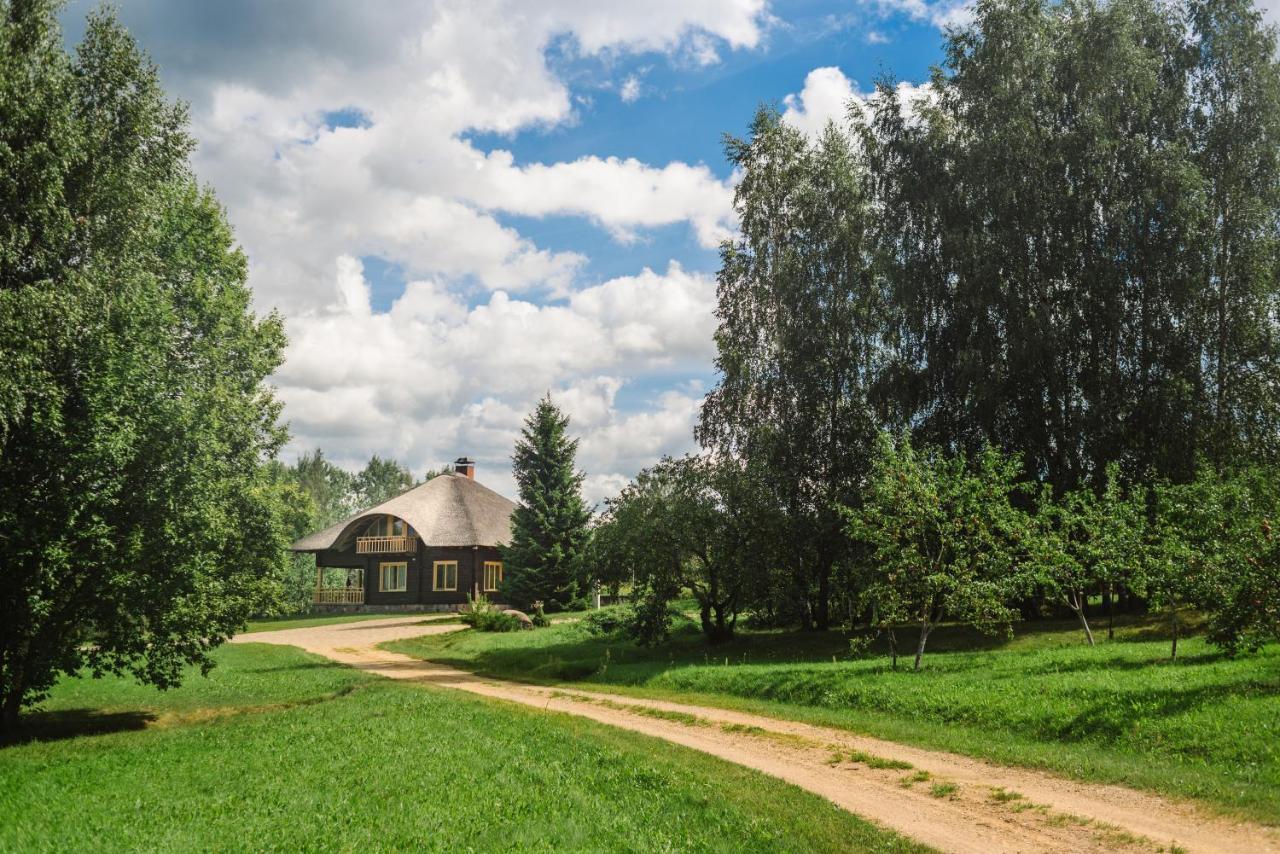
[
  {"x": 1270, "y": 10},
  {"x": 490, "y": 319},
  {"x": 941, "y": 13},
  {"x": 828, "y": 95},
  {"x": 630, "y": 89},
  {"x": 433, "y": 377}
]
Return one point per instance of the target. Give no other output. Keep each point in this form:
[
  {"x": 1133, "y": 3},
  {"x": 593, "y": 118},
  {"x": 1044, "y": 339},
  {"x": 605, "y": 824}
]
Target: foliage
[
  {"x": 1202, "y": 727},
  {"x": 140, "y": 527},
  {"x": 583, "y": 786},
  {"x": 696, "y": 524},
  {"x": 944, "y": 540},
  {"x": 332, "y": 489},
  {"x": 1087, "y": 541},
  {"x": 1213, "y": 547},
  {"x": 609, "y": 620},
  {"x": 483, "y": 616},
  {"x": 1079, "y": 267},
  {"x": 549, "y": 530},
  {"x": 539, "y": 616},
  {"x": 380, "y": 480},
  {"x": 800, "y": 316}
]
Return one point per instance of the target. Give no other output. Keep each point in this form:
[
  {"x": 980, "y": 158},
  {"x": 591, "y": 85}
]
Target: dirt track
[{"x": 990, "y": 808}]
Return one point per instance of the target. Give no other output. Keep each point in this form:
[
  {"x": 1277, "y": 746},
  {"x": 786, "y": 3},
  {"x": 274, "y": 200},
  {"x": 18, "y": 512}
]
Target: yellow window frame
[
  {"x": 401, "y": 569},
  {"x": 492, "y": 575},
  {"x": 441, "y": 581}
]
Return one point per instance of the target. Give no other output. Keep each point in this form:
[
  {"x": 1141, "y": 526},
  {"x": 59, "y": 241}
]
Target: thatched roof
[{"x": 448, "y": 510}]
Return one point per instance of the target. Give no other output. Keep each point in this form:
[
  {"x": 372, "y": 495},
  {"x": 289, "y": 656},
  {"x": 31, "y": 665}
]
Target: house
[{"x": 424, "y": 550}]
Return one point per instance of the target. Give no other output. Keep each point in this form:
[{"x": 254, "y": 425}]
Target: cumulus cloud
[
  {"x": 828, "y": 96},
  {"x": 416, "y": 381},
  {"x": 335, "y": 131}
]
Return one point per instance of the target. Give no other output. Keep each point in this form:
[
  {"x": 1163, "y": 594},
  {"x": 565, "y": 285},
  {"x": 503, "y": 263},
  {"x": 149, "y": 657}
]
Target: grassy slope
[
  {"x": 1205, "y": 726},
  {"x": 282, "y": 751}
]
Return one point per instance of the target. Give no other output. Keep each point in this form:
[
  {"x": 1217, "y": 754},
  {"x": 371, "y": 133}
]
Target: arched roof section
[{"x": 448, "y": 510}]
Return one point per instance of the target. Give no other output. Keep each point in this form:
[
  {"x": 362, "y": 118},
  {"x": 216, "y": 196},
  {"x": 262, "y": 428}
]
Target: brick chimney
[{"x": 465, "y": 465}]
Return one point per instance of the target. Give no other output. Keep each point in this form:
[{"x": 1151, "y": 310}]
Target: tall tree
[
  {"x": 139, "y": 526},
  {"x": 549, "y": 530},
  {"x": 798, "y": 341},
  {"x": 693, "y": 523},
  {"x": 332, "y": 489},
  {"x": 380, "y": 480}
]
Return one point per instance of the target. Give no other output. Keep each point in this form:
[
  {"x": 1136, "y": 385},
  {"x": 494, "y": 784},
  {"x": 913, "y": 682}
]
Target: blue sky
[{"x": 459, "y": 206}]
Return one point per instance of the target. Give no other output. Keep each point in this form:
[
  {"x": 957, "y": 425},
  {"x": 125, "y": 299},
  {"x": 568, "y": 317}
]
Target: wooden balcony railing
[
  {"x": 339, "y": 596},
  {"x": 384, "y": 545}
]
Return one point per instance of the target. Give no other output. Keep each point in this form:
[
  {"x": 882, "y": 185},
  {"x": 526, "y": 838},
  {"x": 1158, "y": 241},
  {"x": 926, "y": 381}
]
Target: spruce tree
[{"x": 549, "y": 530}]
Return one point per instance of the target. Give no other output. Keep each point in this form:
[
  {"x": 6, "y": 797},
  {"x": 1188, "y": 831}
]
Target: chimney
[{"x": 465, "y": 465}]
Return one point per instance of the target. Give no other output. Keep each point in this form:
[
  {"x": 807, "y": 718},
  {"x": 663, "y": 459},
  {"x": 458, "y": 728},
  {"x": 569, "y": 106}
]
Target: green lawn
[
  {"x": 280, "y": 750},
  {"x": 1205, "y": 726}
]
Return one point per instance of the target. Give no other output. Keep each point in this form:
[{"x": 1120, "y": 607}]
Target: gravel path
[{"x": 964, "y": 805}]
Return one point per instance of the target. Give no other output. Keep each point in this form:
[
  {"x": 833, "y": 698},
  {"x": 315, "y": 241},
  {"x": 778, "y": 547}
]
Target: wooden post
[{"x": 319, "y": 580}]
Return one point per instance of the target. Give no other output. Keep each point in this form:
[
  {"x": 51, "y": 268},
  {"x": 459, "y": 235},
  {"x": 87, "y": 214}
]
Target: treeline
[{"x": 1055, "y": 274}]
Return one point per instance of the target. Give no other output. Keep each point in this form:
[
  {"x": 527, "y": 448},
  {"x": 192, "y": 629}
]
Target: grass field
[
  {"x": 279, "y": 750},
  {"x": 1205, "y": 726}
]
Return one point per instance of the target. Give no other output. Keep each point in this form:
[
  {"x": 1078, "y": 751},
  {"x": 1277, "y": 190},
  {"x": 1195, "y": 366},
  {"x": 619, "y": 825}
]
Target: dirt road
[{"x": 951, "y": 802}]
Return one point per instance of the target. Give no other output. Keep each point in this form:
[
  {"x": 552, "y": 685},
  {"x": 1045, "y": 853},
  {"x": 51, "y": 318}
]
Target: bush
[
  {"x": 483, "y": 616},
  {"x": 539, "y": 616},
  {"x": 608, "y": 621}
]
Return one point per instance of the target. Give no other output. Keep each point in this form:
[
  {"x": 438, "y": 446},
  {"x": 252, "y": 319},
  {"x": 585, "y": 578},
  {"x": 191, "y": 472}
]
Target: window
[
  {"x": 445, "y": 575},
  {"x": 492, "y": 575},
  {"x": 393, "y": 577}
]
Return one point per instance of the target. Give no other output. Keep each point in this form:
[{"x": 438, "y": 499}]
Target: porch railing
[
  {"x": 339, "y": 596},
  {"x": 384, "y": 545}
]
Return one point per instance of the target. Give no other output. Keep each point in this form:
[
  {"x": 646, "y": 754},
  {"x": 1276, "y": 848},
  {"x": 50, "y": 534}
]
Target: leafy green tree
[
  {"x": 1089, "y": 541},
  {"x": 693, "y": 523},
  {"x": 549, "y": 530},
  {"x": 798, "y": 342},
  {"x": 139, "y": 523},
  {"x": 945, "y": 542},
  {"x": 332, "y": 489},
  {"x": 1213, "y": 549},
  {"x": 1080, "y": 231},
  {"x": 380, "y": 480}
]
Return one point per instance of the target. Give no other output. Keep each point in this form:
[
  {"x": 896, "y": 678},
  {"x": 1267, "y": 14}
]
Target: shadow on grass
[
  {"x": 72, "y": 723},
  {"x": 286, "y": 668}
]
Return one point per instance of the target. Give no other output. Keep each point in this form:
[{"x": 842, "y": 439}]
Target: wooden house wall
[{"x": 419, "y": 575}]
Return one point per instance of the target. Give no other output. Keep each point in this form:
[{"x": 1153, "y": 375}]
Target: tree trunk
[
  {"x": 1084, "y": 621},
  {"x": 1173, "y": 652},
  {"x": 1076, "y": 602},
  {"x": 893, "y": 650},
  {"x": 924, "y": 638},
  {"x": 1111, "y": 613},
  {"x": 9, "y": 709},
  {"x": 822, "y": 615}
]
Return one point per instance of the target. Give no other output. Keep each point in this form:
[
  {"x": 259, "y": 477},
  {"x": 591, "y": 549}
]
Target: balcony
[{"x": 385, "y": 545}]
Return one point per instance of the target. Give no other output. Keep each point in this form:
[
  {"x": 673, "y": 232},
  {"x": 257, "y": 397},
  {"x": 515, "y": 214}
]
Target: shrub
[
  {"x": 539, "y": 616},
  {"x": 483, "y": 616},
  {"x": 607, "y": 621}
]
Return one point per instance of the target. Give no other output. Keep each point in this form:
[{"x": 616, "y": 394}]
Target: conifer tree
[{"x": 549, "y": 530}]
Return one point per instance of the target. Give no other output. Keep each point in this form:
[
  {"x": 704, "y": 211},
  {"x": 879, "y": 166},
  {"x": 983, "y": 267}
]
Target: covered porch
[{"x": 339, "y": 586}]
